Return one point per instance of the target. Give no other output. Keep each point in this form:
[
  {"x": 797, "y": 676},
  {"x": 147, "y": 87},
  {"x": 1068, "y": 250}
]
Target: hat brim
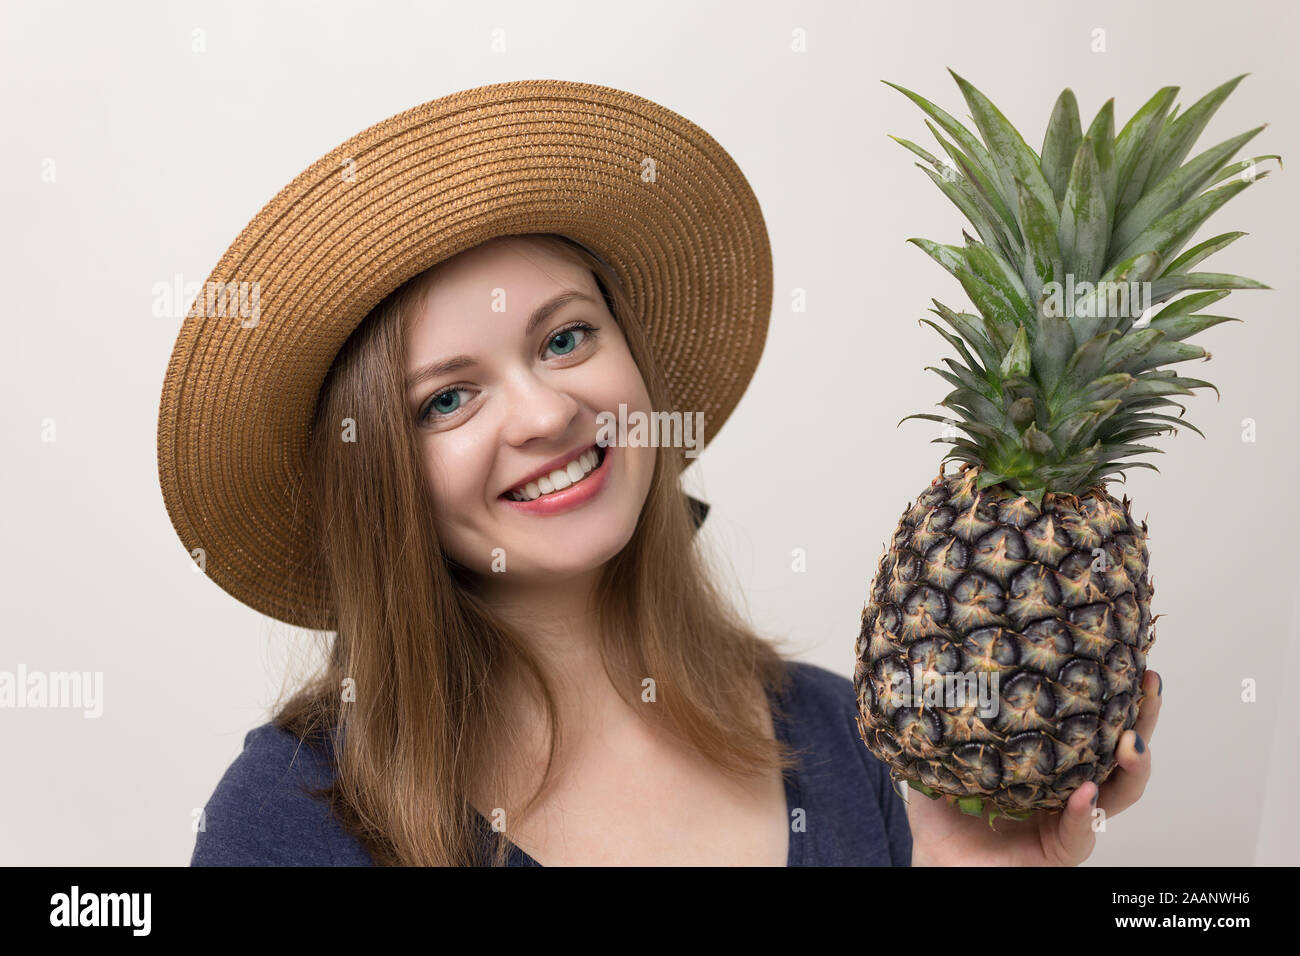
[{"x": 688, "y": 242}]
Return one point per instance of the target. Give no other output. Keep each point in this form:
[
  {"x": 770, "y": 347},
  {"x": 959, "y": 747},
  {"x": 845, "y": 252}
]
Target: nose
[{"x": 538, "y": 408}]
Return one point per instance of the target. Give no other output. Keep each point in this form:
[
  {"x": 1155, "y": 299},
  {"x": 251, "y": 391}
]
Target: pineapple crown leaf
[{"x": 1082, "y": 287}]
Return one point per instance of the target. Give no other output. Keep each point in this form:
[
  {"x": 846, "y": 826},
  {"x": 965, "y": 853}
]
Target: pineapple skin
[{"x": 981, "y": 580}]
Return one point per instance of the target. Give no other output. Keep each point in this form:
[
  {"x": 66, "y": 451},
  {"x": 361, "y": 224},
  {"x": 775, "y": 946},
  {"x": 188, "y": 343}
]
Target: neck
[{"x": 557, "y": 616}]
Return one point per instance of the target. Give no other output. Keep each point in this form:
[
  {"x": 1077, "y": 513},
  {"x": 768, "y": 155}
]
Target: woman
[{"x": 529, "y": 662}]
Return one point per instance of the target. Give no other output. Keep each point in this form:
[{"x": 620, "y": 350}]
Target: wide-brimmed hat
[{"x": 646, "y": 190}]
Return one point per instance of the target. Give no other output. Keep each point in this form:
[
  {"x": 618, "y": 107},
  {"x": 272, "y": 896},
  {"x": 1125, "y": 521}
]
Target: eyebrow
[{"x": 458, "y": 362}]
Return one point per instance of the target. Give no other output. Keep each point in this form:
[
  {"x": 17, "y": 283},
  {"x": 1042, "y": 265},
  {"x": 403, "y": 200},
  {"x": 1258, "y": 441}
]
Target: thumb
[{"x": 1073, "y": 840}]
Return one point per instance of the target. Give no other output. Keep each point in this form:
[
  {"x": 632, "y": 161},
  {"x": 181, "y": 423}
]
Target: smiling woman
[
  {"x": 527, "y": 656},
  {"x": 549, "y": 616},
  {"x": 531, "y": 417}
]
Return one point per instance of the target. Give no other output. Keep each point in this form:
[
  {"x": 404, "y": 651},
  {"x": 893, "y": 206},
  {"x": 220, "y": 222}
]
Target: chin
[{"x": 569, "y": 554}]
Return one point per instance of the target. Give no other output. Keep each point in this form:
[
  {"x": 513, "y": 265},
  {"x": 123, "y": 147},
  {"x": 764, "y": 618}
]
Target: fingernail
[
  {"x": 1094, "y": 797},
  {"x": 1160, "y": 689},
  {"x": 1138, "y": 745}
]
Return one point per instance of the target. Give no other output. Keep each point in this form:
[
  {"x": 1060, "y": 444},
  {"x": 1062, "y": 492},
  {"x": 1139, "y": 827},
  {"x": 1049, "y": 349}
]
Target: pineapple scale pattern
[{"x": 1054, "y": 601}]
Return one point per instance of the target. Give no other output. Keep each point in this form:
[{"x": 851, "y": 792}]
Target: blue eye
[
  {"x": 565, "y": 336},
  {"x": 438, "y": 405},
  {"x": 435, "y": 403}
]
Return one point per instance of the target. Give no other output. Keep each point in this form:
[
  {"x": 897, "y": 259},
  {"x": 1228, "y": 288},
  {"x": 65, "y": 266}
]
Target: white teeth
[{"x": 559, "y": 479}]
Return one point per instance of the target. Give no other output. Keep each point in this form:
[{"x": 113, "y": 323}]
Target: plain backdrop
[{"x": 162, "y": 154}]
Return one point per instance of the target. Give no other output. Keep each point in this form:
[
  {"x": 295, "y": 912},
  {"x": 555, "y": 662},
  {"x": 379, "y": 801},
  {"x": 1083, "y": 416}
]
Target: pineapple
[{"x": 1002, "y": 650}]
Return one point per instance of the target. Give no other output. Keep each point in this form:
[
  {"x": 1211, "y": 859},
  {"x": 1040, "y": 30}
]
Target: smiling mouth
[{"x": 514, "y": 494}]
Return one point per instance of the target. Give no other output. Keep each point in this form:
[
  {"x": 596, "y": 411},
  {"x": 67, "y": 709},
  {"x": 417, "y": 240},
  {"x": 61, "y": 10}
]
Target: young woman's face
[{"x": 531, "y": 398}]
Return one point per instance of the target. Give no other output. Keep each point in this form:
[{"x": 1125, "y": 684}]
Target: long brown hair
[{"x": 410, "y": 695}]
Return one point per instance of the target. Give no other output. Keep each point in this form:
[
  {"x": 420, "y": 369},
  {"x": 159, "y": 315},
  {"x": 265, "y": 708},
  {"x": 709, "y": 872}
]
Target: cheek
[
  {"x": 625, "y": 385},
  {"x": 454, "y": 474},
  {"x": 643, "y": 465}
]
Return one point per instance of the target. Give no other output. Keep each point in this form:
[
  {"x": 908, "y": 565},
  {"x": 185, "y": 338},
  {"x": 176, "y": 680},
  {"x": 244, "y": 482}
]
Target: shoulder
[
  {"x": 822, "y": 701},
  {"x": 826, "y": 685},
  {"x": 853, "y": 814},
  {"x": 263, "y": 812},
  {"x": 823, "y": 713}
]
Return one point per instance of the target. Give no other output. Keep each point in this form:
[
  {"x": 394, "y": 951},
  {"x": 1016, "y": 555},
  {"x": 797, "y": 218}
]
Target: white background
[{"x": 163, "y": 154}]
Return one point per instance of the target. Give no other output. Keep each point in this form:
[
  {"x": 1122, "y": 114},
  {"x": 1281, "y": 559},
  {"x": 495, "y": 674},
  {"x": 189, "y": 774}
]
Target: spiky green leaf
[
  {"x": 950, "y": 257},
  {"x": 959, "y": 345},
  {"x": 1168, "y": 233},
  {"x": 1084, "y": 363},
  {"x": 1064, "y": 132},
  {"x": 1102, "y": 134},
  {"x": 1076, "y": 429},
  {"x": 1180, "y": 134},
  {"x": 1156, "y": 386},
  {"x": 1017, "y": 361},
  {"x": 1138, "y": 268},
  {"x": 980, "y": 408},
  {"x": 1190, "y": 303},
  {"x": 1120, "y": 466},
  {"x": 1000, "y": 315},
  {"x": 972, "y": 380},
  {"x": 1180, "y": 327},
  {"x": 1104, "y": 388},
  {"x": 997, "y": 272},
  {"x": 1166, "y": 286},
  {"x": 1176, "y": 189},
  {"x": 1178, "y": 422},
  {"x": 965, "y": 138},
  {"x": 1201, "y": 251},
  {"x": 1085, "y": 220},
  {"x": 1039, "y": 226},
  {"x": 977, "y": 429},
  {"x": 1131, "y": 347},
  {"x": 985, "y": 184},
  {"x": 1247, "y": 170},
  {"x": 969, "y": 328},
  {"x": 1051, "y": 350},
  {"x": 1164, "y": 353},
  {"x": 961, "y": 195},
  {"x": 1009, "y": 154},
  {"x": 1134, "y": 149}
]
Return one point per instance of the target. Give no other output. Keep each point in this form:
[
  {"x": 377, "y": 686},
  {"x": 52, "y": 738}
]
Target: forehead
[{"x": 481, "y": 295}]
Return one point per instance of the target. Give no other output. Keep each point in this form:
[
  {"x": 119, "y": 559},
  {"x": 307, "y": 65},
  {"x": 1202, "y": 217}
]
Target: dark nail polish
[
  {"x": 1094, "y": 797},
  {"x": 1160, "y": 689},
  {"x": 1138, "y": 745}
]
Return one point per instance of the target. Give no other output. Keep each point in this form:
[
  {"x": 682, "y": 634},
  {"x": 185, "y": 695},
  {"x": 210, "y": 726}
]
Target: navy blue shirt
[{"x": 260, "y": 814}]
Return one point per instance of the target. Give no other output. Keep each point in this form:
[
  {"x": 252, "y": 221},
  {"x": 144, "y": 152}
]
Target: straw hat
[{"x": 645, "y": 189}]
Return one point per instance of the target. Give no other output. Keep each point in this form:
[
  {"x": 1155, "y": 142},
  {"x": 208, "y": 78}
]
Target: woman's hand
[{"x": 944, "y": 836}]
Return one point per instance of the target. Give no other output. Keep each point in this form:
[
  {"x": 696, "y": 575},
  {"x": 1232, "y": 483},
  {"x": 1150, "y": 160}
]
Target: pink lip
[
  {"x": 555, "y": 464},
  {"x": 572, "y": 496}
]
